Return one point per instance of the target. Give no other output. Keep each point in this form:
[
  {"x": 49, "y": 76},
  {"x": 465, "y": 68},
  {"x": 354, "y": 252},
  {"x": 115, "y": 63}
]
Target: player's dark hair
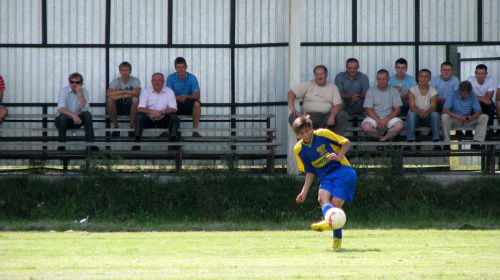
[
  {"x": 447, "y": 63},
  {"x": 465, "y": 86},
  {"x": 180, "y": 60},
  {"x": 401, "y": 61},
  {"x": 482, "y": 66},
  {"x": 300, "y": 123}
]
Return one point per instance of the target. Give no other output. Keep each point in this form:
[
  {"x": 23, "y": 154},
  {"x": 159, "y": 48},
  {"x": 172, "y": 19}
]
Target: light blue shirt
[
  {"x": 69, "y": 100},
  {"x": 405, "y": 84},
  {"x": 443, "y": 87}
]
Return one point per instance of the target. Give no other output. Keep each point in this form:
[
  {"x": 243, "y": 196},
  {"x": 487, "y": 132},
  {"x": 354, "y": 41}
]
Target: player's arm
[
  {"x": 343, "y": 150},
  {"x": 305, "y": 189}
]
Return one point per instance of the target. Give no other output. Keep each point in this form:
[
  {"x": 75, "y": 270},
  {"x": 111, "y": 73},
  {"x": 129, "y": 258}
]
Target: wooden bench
[
  {"x": 488, "y": 153},
  {"x": 354, "y": 131},
  {"x": 40, "y": 141}
]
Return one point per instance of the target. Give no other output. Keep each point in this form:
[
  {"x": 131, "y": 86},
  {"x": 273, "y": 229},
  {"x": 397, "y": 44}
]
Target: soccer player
[{"x": 321, "y": 153}]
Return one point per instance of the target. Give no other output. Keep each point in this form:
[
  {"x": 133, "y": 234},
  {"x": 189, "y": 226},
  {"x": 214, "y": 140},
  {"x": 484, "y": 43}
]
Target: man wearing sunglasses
[{"x": 73, "y": 110}]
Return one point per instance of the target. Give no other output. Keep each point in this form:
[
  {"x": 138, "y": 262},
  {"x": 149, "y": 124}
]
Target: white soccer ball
[{"x": 335, "y": 218}]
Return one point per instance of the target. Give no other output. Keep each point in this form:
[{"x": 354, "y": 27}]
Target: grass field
[{"x": 366, "y": 254}]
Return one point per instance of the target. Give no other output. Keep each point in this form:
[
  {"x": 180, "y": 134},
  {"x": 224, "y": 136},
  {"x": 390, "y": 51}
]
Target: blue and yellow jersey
[{"x": 312, "y": 157}]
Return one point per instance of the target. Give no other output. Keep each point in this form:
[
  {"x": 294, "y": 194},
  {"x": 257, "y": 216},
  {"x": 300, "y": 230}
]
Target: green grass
[{"x": 366, "y": 254}]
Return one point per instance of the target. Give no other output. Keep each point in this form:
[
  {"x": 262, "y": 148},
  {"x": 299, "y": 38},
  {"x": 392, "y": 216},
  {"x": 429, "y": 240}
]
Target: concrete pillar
[{"x": 294, "y": 75}]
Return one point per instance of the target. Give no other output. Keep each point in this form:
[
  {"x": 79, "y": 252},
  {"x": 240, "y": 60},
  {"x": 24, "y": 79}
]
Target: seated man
[
  {"x": 352, "y": 86},
  {"x": 156, "y": 109},
  {"x": 445, "y": 84},
  {"x": 3, "y": 110},
  {"x": 73, "y": 110},
  {"x": 187, "y": 92},
  {"x": 402, "y": 82},
  {"x": 497, "y": 98},
  {"x": 423, "y": 102},
  {"x": 321, "y": 101},
  {"x": 484, "y": 87},
  {"x": 462, "y": 109},
  {"x": 122, "y": 97},
  {"x": 382, "y": 106}
]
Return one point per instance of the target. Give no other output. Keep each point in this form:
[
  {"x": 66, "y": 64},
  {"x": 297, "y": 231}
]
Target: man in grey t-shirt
[
  {"x": 382, "y": 106},
  {"x": 122, "y": 97}
]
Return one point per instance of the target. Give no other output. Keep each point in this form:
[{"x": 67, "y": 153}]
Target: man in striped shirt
[
  {"x": 187, "y": 92},
  {"x": 462, "y": 109},
  {"x": 3, "y": 110}
]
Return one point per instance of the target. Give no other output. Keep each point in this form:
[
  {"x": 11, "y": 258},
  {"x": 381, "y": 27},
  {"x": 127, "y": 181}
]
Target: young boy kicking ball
[{"x": 321, "y": 153}]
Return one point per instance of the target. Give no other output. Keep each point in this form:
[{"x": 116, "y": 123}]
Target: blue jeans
[{"x": 413, "y": 120}]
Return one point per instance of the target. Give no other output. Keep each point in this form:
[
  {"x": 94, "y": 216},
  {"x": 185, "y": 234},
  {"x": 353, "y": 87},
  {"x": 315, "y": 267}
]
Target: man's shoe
[
  {"x": 115, "y": 134},
  {"x": 131, "y": 134},
  {"x": 164, "y": 134},
  {"x": 337, "y": 243},
  {"x": 320, "y": 226},
  {"x": 476, "y": 147},
  {"x": 196, "y": 134},
  {"x": 61, "y": 148},
  {"x": 173, "y": 148},
  {"x": 136, "y": 148}
]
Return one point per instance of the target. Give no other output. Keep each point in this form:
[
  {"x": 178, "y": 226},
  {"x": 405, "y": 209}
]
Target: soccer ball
[{"x": 335, "y": 218}]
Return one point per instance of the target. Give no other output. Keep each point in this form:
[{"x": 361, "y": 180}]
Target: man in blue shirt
[
  {"x": 187, "y": 92},
  {"x": 462, "y": 109},
  {"x": 445, "y": 84}
]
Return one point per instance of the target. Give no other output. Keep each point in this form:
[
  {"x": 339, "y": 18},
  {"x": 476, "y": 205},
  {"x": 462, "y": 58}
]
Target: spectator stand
[{"x": 34, "y": 137}]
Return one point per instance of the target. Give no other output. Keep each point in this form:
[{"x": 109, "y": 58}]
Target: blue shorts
[{"x": 341, "y": 183}]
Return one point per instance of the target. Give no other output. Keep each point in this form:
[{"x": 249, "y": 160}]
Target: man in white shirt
[
  {"x": 484, "y": 86},
  {"x": 321, "y": 101},
  {"x": 157, "y": 109}
]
